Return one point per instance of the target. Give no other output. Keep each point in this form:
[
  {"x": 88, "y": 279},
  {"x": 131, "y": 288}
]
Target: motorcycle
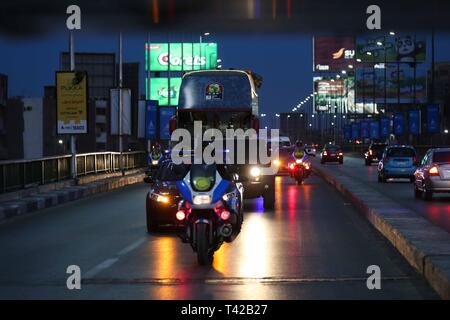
[
  {"x": 211, "y": 210},
  {"x": 299, "y": 169}
]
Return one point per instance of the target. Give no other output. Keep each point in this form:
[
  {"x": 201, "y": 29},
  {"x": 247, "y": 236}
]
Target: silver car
[{"x": 433, "y": 174}]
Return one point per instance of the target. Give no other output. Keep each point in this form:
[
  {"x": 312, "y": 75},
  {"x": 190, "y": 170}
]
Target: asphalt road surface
[
  {"x": 314, "y": 245},
  {"x": 400, "y": 190}
]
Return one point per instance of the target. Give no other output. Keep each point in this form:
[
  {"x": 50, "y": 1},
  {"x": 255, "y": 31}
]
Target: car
[
  {"x": 310, "y": 150},
  {"x": 332, "y": 153},
  {"x": 374, "y": 153},
  {"x": 163, "y": 198},
  {"x": 283, "y": 160},
  {"x": 284, "y": 142},
  {"x": 397, "y": 161},
  {"x": 433, "y": 174}
]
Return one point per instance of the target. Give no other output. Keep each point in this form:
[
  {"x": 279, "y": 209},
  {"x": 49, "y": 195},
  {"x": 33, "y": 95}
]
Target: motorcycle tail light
[
  {"x": 180, "y": 215},
  {"x": 434, "y": 171},
  {"x": 306, "y": 166},
  {"x": 291, "y": 166}
]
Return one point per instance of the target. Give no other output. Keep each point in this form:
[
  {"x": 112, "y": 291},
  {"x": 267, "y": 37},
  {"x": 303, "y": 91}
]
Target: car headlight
[
  {"x": 160, "y": 198},
  {"x": 255, "y": 172},
  {"x": 277, "y": 162},
  {"x": 201, "y": 199}
]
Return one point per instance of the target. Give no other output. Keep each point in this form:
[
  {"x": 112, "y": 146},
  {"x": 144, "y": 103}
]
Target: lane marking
[{"x": 111, "y": 261}]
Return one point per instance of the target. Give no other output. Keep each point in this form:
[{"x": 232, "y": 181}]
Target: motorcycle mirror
[{"x": 242, "y": 179}]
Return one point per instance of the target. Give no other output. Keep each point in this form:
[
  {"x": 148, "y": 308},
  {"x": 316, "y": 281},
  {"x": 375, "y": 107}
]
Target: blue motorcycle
[{"x": 211, "y": 209}]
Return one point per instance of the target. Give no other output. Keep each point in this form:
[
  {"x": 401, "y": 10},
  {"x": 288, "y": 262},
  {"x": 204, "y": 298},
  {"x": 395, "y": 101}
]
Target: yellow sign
[{"x": 71, "y": 102}]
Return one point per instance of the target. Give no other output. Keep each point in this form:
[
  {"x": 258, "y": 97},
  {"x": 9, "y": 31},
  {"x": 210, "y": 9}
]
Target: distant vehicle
[
  {"x": 284, "y": 142},
  {"x": 433, "y": 173},
  {"x": 163, "y": 198},
  {"x": 332, "y": 153},
  {"x": 374, "y": 153},
  {"x": 397, "y": 161},
  {"x": 283, "y": 160},
  {"x": 310, "y": 150}
]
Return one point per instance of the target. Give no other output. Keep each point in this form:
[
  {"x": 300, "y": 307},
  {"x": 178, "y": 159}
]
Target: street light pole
[
  {"x": 120, "y": 107},
  {"x": 73, "y": 149}
]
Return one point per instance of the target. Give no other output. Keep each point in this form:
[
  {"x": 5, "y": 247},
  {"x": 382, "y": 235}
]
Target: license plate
[{"x": 333, "y": 155}]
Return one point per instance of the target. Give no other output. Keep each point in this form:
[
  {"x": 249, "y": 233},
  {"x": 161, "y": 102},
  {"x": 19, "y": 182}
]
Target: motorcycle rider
[
  {"x": 154, "y": 159},
  {"x": 299, "y": 153}
]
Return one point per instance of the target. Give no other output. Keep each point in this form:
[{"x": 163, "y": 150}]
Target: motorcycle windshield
[{"x": 203, "y": 177}]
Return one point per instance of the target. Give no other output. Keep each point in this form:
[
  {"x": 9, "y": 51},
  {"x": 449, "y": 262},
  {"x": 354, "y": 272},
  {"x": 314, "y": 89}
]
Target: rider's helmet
[{"x": 299, "y": 143}]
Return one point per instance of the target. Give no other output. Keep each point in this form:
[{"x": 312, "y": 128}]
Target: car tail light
[
  {"x": 434, "y": 171},
  {"x": 341, "y": 154},
  {"x": 370, "y": 152},
  {"x": 180, "y": 215},
  {"x": 325, "y": 153}
]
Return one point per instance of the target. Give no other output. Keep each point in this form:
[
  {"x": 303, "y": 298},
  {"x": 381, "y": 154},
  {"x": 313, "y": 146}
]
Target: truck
[{"x": 226, "y": 99}]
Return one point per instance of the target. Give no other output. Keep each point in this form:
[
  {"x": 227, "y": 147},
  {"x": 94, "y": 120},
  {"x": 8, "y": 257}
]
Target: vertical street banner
[
  {"x": 165, "y": 114},
  {"x": 355, "y": 131},
  {"x": 347, "y": 132},
  {"x": 115, "y": 109},
  {"x": 433, "y": 118},
  {"x": 151, "y": 119},
  {"x": 71, "y": 102},
  {"x": 385, "y": 129},
  {"x": 414, "y": 122},
  {"x": 399, "y": 124},
  {"x": 374, "y": 130},
  {"x": 364, "y": 129}
]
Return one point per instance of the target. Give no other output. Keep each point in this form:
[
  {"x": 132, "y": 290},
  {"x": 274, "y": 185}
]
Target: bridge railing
[{"x": 20, "y": 174}]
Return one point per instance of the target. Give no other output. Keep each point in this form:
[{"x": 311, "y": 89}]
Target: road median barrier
[{"x": 425, "y": 246}]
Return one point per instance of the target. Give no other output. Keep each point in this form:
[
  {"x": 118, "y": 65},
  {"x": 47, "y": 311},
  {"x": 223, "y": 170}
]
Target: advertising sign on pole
[
  {"x": 151, "y": 119},
  {"x": 347, "y": 132},
  {"x": 374, "y": 130},
  {"x": 126, "y": 112},
  {"x": 399, "y": 123},
  {"x": 385, "y": 129},
  {"x": 355, "y": 131},
  {"x": 414, "y": 122},
  {"x": 71, "y": 102},
  {"x": 165, "y": 114},
  {"x": 333, "y": 53},
  {"x": 364, "y": 129},
  {"x": 159, "y": 90},
  {"x": 433, "y": 118}
]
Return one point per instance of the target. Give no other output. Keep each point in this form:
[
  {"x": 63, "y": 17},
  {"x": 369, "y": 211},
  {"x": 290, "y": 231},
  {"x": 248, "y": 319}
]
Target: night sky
[{"x": 284, "y": 60}]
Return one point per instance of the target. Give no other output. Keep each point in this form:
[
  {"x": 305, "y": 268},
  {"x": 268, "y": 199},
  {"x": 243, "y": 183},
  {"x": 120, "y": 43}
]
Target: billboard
[
  {"x": 364, "y": 129},
  {"x": 347, "y": 132},
  {"x": 398, "y": 83},
  {"x": 333, "y": 53},
  {"x": 355, "y": 131},
  {"x": 159, "y": 90},
  {"x": 71, "y": 102},
  {"x": 183, "y": 56},
  {"x": 385, "y": 127},
  {"x": 433, "y": 118},
  {"x": 327, "y": 93},
  {"x": 374, "y": 129},
  {"x": 115, "y": 110},
  {"x": 376, "y": 48}
]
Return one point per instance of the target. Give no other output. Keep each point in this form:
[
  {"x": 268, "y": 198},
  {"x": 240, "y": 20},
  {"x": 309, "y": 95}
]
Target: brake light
[
  {"x": 341, "y": 154},
  {"x": 434, "y": 171},
  {"x": 370, "y": 152},
  {"x": 225, "y": 215},
  {"x": 325, "y": 153}
]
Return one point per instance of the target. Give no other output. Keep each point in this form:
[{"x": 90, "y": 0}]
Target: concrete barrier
[
  {"x": 23, "y": 203},
  {"x": 425, "y": 246}
]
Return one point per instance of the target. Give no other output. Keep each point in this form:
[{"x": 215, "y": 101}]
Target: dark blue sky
[{"x": 284, "y": 61}]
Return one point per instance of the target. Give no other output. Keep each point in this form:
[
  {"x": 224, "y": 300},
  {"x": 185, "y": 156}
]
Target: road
[
  {"x": 314, "y": 245},
  {"x": 400, "y": 190}
]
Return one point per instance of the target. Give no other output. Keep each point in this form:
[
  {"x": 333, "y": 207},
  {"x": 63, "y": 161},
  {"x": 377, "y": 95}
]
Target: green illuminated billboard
[
  {"x": 183, "y": 56},
  {"x": 159, "y": 90}
]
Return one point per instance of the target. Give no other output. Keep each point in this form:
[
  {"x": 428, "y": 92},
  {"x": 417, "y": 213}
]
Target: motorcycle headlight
[
  {"x": 255, "y": 172},
  {"x": 299, "y": 161},
  {"x": 201, "y": 199},
  {"x": 154, "y": 162}
]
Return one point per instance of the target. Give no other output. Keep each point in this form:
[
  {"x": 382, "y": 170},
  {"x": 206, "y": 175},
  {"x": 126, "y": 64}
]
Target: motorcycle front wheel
[{"x": 204, "y": 253}]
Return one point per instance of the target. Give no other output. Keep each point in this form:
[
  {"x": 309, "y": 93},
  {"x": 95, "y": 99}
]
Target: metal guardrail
[{"x": 20, "y": 174}]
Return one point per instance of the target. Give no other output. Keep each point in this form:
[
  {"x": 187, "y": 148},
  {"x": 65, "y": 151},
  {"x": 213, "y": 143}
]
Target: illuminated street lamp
[
  {"x": 446, "y": 131},
  {"x": 392, "y": 33}
]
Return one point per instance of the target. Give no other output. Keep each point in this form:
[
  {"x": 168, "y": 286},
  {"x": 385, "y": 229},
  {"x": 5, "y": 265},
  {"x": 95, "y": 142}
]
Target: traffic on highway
[{"x": 214, "y": 156}]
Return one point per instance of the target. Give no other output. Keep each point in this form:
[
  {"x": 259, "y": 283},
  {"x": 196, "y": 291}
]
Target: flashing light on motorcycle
[
  {"x": 201, "y": 199},
  {"x": 255, "y": 172},
  {"x": 180, "y": 215}
]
